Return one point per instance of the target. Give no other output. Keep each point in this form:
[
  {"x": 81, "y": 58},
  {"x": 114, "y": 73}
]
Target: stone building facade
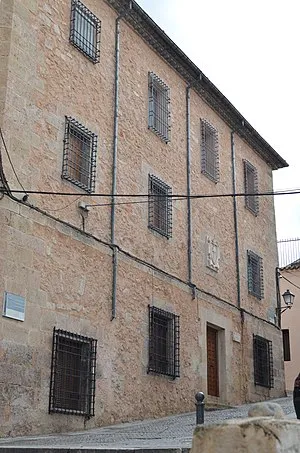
[{"x": 123, "y": 294}]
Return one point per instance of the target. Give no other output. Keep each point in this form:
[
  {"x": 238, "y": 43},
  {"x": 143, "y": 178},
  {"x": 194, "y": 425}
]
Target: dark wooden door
[{"x": 212, "y": 362}]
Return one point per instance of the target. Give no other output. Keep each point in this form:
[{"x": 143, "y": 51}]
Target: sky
[{"x": 250, "y": 51}]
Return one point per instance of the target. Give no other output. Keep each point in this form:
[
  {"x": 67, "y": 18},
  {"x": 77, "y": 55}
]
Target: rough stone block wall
[{"x": 65, "y": 274}]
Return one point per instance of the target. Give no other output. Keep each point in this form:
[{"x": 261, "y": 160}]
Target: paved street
[{"x": 174, "y": 432}]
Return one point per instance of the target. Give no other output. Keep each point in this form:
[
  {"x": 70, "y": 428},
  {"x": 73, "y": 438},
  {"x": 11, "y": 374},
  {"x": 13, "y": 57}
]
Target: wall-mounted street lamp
[{"x": 288, "y": 298}]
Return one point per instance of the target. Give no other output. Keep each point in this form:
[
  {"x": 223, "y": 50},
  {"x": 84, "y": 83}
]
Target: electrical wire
[
  {"x": 11, "y": 164},
  {"x": 64, "y": 207},
  {"x": 294, "y": 284},
  {"x": 179, "y": 196}
]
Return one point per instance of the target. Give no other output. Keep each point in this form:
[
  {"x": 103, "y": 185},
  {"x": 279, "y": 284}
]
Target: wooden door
[{"x": 212, "y": 362}]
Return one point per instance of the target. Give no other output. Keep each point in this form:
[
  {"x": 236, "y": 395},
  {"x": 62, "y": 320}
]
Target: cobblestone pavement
[{"x": 172, "y": 432}]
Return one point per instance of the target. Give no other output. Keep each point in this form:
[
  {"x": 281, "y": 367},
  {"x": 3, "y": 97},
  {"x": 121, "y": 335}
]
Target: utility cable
[
  {"x": 64, "y": 207},
  {"x": 12, "y": 165},
  {"x": 180, "y": 196},
  {"x": 294, "y": 284}
]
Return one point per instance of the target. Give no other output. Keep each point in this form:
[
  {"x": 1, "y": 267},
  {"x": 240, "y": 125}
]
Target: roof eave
[{"x": 170, "y": 52}]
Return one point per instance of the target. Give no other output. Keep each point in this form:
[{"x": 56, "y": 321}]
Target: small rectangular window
[
  {"x": 160, "y": 207},
  {"x": 163, "y": 342},
  {"x": 286, "y": 345},
  {"x": 159, "y": 105},
  {"x": 85, "y": 31},
  {"x": 209, "y": 151},
  {"x": 14, "y": 306},
  {"x": 79, "y": 160},
  {"x": 255, "y": 275},
  {"x": 263, "y": 362},
  {"x": 72, "y": 384},
  {"x": 251, "y": 187}
]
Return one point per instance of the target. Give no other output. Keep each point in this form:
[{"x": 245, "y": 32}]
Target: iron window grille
[
  {"x": 263, "y": 362},
  {"x": 72, "y": 383},
  {"x": 209, "y": 151},
  {"x": 251, "y": 187},
  {"x": 159, "y": 107},
  {"x": 79, "y": 159},
  {"x": 160, "y": 206},
  {"x": 255, "y": 275},
  {"x": 163, "y": 342},
  {"x": 85, "y": 31}
]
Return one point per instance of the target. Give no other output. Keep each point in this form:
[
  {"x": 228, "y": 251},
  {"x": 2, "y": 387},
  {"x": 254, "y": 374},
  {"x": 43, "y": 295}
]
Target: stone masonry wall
[{"x": 65, "y": 274}]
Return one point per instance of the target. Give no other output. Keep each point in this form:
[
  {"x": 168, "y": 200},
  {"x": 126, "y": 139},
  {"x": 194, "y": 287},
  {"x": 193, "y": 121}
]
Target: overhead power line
[{"x": 179, "y": 196}]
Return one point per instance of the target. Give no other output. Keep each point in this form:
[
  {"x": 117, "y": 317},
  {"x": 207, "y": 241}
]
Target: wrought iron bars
[
  {"x": 263, "y": 362},
  {"x": 73, "y": 367},
  {"x": 159, "y": 107},
  {"x": 163, "y": 342},
  {"x": 79, "y": 159},
  {"x": 251, "y": 187},
  {"x": 85, "y": 31},
  {"x": 255, "y": 275},
  {"x": 159, "y": 206},
  {"x": 209, "y": 151}
]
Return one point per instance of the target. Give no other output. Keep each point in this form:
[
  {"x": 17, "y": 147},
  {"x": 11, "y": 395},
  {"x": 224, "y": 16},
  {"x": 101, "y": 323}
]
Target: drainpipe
[
  {"x": 278, "y": 311},
  {"x": 237, "y": 261},
  {"x": 188, "y": 174},
  {"x": 115, "y": 160}
]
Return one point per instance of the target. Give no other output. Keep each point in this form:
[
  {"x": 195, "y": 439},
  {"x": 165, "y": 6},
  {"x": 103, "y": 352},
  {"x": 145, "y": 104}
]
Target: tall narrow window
[
  {"x": 79, "y": 160},
  {"x": 286, "y": 345},
  {"x": 163, "y": 342},
  {"x": 263, "y": 362},
  {"x": 85, "y": 31},
  {"x": 209, "y": 151},
  {"x": 72, "y": 385},
  {"x": 160, "y": 206},
  {"x": 255, "y": 275},
  {"x": 251, "y": 187},
  {"x": 159, "y": 106}
]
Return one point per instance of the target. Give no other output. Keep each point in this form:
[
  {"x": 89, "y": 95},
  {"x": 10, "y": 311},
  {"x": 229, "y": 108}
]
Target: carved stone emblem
[{"x": 213, "y": 254}]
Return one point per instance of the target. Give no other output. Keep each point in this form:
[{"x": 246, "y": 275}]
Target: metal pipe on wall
[
  {"x": 237, "y": 259},
  {"x": 188, "y": 173},
  {"x": 115, "y": 161}
]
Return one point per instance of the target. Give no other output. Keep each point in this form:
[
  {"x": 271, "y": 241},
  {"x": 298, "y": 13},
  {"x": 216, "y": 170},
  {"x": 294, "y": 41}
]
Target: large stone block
[{"x": 260, "y": 434}]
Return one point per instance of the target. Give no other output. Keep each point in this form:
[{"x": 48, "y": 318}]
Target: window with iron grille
[
  {"x": 263, "y": 362},
  {"x": 79, "y": 159},
  {"x": 209, "y": 151},
  {"x": 85, "y": 31},
  {"x": 255, "y": 275},
  {"x": 251, "y": 187},
  {"x": 163, "y": 342},
  {"x": 159, "y": 107},
  {"x": 72, "y": 385},
  {"x": 160, "y": 206}
]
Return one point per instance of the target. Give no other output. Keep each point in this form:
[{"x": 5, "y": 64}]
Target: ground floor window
[
  {"x": 163, "y": 342},
  {"x": 263, "y": 362},
  {"x": 72, "y": 385}
]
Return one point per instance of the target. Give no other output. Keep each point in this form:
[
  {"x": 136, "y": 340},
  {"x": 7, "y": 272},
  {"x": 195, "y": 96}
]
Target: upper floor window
[
  {"x": 163, "y": 342},
  {"x": 263, "y": 362},
  {"x": 73, "y": 370},
  {"x": 79, "y": 160},
  {"x": 160, "y": 206},
  {"x": 159, "y": 106},
  {"x": 209, "y": 151},
  {"x": 255, "y": 275},
  {"x": 85, "y": 31},
  {"x": 251, "y": 187}
]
